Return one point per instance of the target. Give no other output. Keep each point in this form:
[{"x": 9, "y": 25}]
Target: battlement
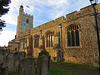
[
  {"x": 49, "y": 24},
  {"x": 76, "y": 14},
  {"x": 98, "y": 7},
  {"x": 71, "y": 16},
  {"x": 83, "y": 12},
  {"x": 21, "y": 12},
  {"x": 28, "y": 15},
  {"x": 59, "y": 20}
]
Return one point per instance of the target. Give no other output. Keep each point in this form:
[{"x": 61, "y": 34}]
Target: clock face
[{"x": 24, "y": 23}]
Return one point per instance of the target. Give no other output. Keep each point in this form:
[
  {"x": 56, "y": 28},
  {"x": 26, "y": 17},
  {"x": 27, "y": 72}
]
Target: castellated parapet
[
  {"x": 27, "y": 15},
  {"x": 77, "y": 14},
  {"x": 49, "y": 24},
  {"x": 69, "y": 17},
  {"x": 83, "y": 12}
]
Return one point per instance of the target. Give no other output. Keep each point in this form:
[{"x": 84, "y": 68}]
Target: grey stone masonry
[
  {"x": 43, "y": 63},
  {"x": 11, "y": 60},
  {"x": 2, "y": 56},
  {"x": 26, "y": 67},
  {"x": 19, "y": 56},
  {"x": 3, "y": 71},
  {"x": 10, "y": 63}
]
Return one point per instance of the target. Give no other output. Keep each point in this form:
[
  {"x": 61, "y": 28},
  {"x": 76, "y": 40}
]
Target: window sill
[
  {"x": 49, "y": 47},
  {"x": 75, "y": 47},
  {"x": 36, "y": 48}
]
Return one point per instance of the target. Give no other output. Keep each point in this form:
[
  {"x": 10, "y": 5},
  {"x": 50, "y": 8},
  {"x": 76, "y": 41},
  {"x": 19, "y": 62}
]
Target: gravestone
[
  {"x": 2, "y": 56},
  {"x": 10, "y": 63},
  {"x": 19, "y": 56},
  {"x": 3, "y": 71},
  {"x": 13, "y": 51},
  {"x": 26, "y": 67},
  {"x": 22, "y": 55},
  {"x": 43, "y": 63}
]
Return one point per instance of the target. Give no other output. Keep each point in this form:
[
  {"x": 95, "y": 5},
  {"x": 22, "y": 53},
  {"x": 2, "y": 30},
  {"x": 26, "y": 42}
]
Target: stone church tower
[{"x": 24, "y": 22}]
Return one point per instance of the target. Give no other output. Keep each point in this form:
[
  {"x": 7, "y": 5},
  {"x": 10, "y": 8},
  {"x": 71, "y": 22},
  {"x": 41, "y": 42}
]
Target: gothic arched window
[
  {"x": 36, "y": 41},
  {"x": 59, "y": 39},
  {"x": 72, "y": 38},
  {"x": 49, "y": 39},
  {"x": 73, "y": 35},
  {"x": 68, "y": 38},
  {"x": 77, "y": 37}
]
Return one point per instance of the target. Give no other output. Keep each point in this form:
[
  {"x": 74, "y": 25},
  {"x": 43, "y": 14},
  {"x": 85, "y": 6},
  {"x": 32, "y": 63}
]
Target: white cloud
[
  {"x": 55, "y": 14},
  {"x": 61, "y": 6},
  {"x": 6, "y": 36},
  {"x": 11, "y": 17},
  {"x": 57, "y": 8},
  {"x": 58, "y": 3}
]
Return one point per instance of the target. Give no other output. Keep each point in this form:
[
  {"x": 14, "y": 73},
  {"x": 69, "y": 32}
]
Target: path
[{"x": 75, "y": 69}]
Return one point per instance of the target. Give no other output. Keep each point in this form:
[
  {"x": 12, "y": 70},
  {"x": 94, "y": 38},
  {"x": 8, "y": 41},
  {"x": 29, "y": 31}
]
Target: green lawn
[
  {"x": 54, "y": 71},
  {"x": 78, "y": 65},
  {"x": 35, "y": 58},
  {"x": 58, "y": 71},
  {"x": 15, "y": 73},
  {"x": 35, "y": 69}
]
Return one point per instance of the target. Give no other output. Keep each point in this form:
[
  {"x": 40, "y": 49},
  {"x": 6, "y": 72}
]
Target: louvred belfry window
[{"x": 27, "y": 20}]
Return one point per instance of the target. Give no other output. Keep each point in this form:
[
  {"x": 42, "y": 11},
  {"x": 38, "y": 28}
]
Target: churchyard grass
[
  {"x": 54, "y": 71},
  {"x": 58, "y": 71},
  {"x": 35, "y": 69},
  {"x": 78, "y": 65},
  {"x": 35, "y": 58},
  {"x": 15, "y": 73}
]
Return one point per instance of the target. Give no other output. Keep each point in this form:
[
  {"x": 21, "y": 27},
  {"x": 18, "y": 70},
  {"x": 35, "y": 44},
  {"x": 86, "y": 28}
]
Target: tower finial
[{"x": 21, "y": 6}]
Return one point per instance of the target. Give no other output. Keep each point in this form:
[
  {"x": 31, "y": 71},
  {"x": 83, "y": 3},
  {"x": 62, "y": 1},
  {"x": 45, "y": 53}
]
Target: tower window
[{"x": 27, "y": 20}]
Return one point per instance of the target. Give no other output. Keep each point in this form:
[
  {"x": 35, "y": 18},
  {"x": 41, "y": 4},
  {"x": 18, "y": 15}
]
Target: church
[{"x": 73, "y": 39}]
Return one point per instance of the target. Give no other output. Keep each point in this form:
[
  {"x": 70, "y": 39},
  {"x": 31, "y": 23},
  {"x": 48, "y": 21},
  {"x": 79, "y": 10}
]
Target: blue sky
[{"x": 42, "y": 10}]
